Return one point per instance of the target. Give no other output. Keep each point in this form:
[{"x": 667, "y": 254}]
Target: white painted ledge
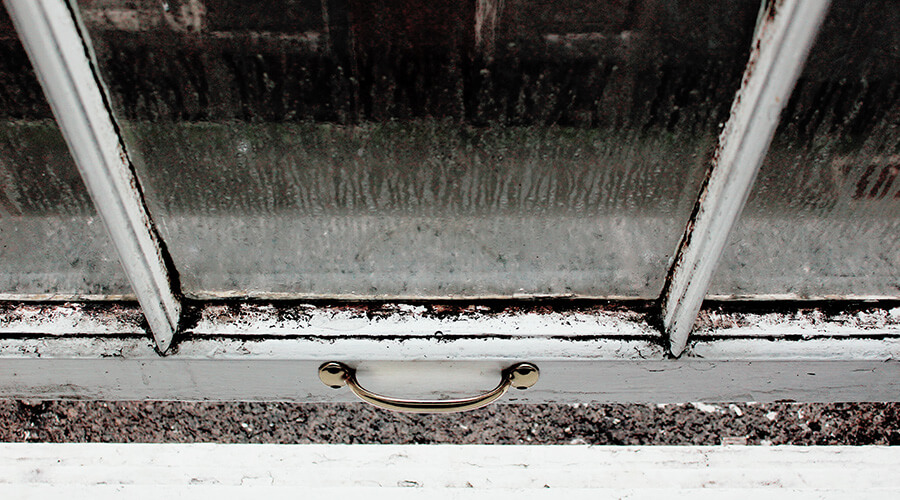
[{"x": 444, "y": 471}]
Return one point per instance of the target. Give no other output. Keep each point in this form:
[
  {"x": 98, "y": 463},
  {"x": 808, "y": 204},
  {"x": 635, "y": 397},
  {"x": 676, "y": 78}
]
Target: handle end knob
[
  {"x": 333, "y": 374},
  {"x": 523, "y": 375}
]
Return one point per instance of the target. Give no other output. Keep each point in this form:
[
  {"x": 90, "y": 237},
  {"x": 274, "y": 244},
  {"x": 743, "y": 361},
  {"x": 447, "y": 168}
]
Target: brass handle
[{"x": 520, "y": 376}]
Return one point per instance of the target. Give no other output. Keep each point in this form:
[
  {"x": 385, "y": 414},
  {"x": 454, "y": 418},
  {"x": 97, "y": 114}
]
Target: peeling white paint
[
  {"x": 415, "y": 320},
  {"x": 71, "y": 319},
  {"x": 803, "y": 322}
]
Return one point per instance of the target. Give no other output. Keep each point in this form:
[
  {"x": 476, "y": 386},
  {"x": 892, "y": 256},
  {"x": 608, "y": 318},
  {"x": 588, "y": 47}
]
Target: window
[{"x": 470, "y": 183}]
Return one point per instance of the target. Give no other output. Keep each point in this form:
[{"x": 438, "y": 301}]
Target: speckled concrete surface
[{"x": 633, "y": 424}]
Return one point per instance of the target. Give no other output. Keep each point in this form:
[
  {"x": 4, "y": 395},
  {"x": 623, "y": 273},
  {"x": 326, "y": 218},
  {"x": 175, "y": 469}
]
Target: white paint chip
[{"x": 707, "y": 408}]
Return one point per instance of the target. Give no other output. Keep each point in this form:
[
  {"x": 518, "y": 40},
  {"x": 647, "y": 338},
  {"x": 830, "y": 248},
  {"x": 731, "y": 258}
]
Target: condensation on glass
[
  {"x": 823, "y": 220},
  {"x": 398, "y": 148},
  {"x": 52, "y": 244}
]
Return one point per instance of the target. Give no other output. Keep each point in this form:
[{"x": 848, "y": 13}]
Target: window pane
[
  {"x": 824, "y": 216},
  {"x": 403, "y": 148},
  {"x": 52, "y": 244}
]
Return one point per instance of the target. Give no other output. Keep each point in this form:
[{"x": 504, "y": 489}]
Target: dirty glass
[
  {"x": 52, "y": 244},
  {"x": 823, "y": 218},
  {"x": 399, "y": 148}
]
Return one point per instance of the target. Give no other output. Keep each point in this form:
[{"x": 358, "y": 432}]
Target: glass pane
[
  {"x": 824, "y": 216},
  {"x": 400, "y": 148},
  {"x": 52, "y": 244}
]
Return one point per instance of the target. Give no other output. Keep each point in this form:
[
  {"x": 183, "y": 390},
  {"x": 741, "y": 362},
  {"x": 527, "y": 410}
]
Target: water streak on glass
[
  {"x": 399, "y": 148},
  {"x": 824, "y": 216},
  {"x": 52, "y": 244}
]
